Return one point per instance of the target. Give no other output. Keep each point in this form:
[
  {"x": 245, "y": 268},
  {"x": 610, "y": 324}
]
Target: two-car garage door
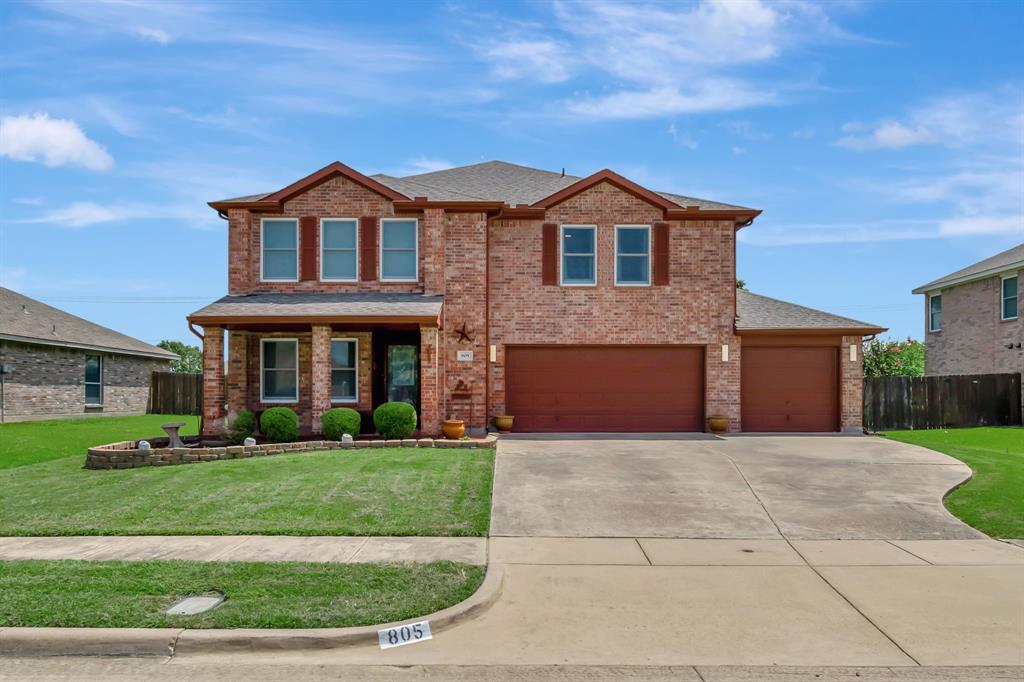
[
  {"x": 605, "y": 388},
  {"x": 661, "y": 388}
]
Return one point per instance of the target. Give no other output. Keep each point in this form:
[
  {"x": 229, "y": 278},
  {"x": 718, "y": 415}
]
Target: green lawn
[
  {"x": 401, "y": 491},
  {"x": 259, "y": 595},
  {"x": 993, "y": 500},
  {"x": 24, "y": 443}
]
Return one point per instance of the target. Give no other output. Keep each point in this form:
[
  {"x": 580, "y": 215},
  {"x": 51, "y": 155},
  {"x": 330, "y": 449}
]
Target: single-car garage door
[
  {"x": 790, "y": 389},
  {"x": 605, "y": 388}
]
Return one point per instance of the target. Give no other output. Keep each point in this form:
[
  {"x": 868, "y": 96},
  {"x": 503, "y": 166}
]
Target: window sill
[
  {"x": 344, "y": 401},
  {"x": 93, "y": 405},
  {"x": 282, "y": 401}
]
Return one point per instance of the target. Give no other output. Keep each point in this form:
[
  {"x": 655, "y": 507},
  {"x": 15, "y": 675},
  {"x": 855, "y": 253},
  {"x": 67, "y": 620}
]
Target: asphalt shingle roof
[
  {"x": 26, "y": 319},
  {"x": 754, "y": 312},
  {"x": 496, "y": 181},
  {"x": 1012, "y": 257},
  {"x": 323, "y": 305}
]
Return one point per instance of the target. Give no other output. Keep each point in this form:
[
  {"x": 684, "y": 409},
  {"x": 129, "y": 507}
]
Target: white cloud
[
  {"x": 87, "y": 213},
  {"x": 983, "y": 225},
  {"x": 681, "y": 139},
  {"x": 663, "y": 59},
  {"x": 540, "y": 60},
  {"x": 51, "y": 141},
  {"x": 956, "y": 120},
  {"x": 422, "y": 164},
  {"x": 739, "y": 151},
  {"x": 155, "y": 35},
  {"x": 693, "y": 98}
]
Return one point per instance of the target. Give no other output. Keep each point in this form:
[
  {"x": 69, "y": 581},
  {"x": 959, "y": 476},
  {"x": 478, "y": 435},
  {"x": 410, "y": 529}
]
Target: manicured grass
[
  {"x": 24, "y": 443},
  {"x": 259, "y": 595},
  {"x": 993, "y": 500},
  {"x": 401, "y": 491}
]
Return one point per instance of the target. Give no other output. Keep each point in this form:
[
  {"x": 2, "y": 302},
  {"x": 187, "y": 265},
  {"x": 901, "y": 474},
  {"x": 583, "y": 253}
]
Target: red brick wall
[
  {"x": 696, "y": 307},
  {"x": 974, "y": 338},
  {"x": 851, "y": 385}
]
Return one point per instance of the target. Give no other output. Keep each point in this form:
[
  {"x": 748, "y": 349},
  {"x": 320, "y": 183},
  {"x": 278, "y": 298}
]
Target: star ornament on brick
[{"x": 464, "y": 335}]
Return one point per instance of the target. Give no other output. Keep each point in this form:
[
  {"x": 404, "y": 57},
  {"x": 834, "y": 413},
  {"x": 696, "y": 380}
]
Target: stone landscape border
[{"x": 127, "y": 454}]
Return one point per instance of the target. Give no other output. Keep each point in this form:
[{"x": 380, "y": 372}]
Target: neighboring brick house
[
  {"x": 59, "y": 365},
  {"x": 973, "y": 321},
  {"x": 573, "y": 304}
]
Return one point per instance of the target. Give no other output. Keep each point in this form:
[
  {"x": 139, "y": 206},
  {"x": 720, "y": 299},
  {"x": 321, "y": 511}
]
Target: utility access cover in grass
[{"x": 191, "y": 606}]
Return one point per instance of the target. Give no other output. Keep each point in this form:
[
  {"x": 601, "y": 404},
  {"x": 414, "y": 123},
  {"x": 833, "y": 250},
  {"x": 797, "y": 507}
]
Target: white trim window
[
  {"x": 93, "y": 380},
  {"x": 344, "y": 370},
  {"x": 935, "y": 312},
  {"x": 579, "y": 255},
  {"x": 1008, "y": 303},
  {"x": 279, "y": 370},
  {"x": 399, "y": 250},
  {"x": 279, "y": 246},
  {"x": 339, "y": 250},
  {"x": 633, "y": 255}
]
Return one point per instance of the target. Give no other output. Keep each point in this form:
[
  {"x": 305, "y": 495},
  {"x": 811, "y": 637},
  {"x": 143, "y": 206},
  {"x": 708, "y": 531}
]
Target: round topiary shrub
[
  {"x": 341, "y": 420},
  {"x": 280, "y": 424},
  {"x": 395, "y": 420},
  {"x": 242, "y": 427}
]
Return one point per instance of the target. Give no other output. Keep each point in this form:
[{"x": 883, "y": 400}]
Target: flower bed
[{"x": 127, "y": 454}]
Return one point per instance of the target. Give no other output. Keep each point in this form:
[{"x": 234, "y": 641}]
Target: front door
[{"x": 396, "y": 375}]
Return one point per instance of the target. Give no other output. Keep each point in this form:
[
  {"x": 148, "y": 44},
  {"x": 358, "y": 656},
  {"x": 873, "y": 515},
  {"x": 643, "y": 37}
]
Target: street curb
[{"x": 15, "y": 641}]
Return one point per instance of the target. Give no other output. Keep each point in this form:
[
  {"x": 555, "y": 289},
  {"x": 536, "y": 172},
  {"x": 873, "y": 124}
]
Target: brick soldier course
[{"x": 483, "y": 284}]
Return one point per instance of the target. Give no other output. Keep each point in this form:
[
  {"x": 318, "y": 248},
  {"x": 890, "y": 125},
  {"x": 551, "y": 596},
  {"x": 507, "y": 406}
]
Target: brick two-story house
[
  {"x": 573, "y": 304},
  {"x": 972, "y": 317}
]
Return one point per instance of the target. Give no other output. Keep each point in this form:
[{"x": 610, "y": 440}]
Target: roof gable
[
  {"x": 612, "y": 178},
  {"x": 1011, "y": 259},
  {"x": 326, "y": 173}
]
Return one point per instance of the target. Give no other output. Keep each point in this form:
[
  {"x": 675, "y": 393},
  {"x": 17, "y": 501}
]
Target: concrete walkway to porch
[{"x": 327, "y": 549}]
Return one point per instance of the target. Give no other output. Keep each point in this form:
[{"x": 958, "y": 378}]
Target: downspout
[{"x": 487, "y": 321}]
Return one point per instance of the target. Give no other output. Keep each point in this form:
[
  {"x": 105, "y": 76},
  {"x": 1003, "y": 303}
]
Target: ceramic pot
[
  {"x": 718, "y": 423},
  {"x": 453, "y": 429},
  {"x": 503, "y": 423}
]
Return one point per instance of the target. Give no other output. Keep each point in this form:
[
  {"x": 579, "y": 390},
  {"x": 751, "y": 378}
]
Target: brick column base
[
  {"x": 213, "y": 381},
  {"x": 321, "y": 374}
]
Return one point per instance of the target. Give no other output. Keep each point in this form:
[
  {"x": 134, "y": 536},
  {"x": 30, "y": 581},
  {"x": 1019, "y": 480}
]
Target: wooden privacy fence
[
  {"x": 942, "y": 401},
  {"x": 175, "y": 393}
]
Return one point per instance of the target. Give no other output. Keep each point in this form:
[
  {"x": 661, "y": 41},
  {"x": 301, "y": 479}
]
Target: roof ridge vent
[
  {"x": 54, "y": 331},
  {"x": 24, "y": 308}
]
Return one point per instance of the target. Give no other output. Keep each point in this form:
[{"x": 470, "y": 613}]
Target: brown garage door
[
  {"x": 605, "y": 388},
  {"x": 790, "y": 389}
]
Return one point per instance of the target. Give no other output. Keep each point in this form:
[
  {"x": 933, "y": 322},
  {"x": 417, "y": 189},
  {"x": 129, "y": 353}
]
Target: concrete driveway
[{"x": 741, "y": 487}]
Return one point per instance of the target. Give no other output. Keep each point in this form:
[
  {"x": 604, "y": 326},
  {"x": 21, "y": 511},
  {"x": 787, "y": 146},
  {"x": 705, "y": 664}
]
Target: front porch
[{"x": 311, "y": 363}]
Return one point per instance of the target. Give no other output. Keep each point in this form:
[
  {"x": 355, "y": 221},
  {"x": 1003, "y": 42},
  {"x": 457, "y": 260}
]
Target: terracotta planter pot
[
  {"x": 718, "y": 423},
  {"x": 453, "y": 429},
  {"x": 503, "y": 423}
]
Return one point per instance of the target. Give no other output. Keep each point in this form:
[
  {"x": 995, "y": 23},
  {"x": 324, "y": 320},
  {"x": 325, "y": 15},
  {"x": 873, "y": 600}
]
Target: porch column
[
  {"x": 237, "y": 379},
  {"x": 430, "y": 383},
  {"x": 213, "y": 381},
  {"x": 321, "y": 374}
]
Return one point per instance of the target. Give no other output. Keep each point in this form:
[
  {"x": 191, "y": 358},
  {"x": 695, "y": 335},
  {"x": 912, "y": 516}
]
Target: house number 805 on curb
[{"x": 404, "y": 634}]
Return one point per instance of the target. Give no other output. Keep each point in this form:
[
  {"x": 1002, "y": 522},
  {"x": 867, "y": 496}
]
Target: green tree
[
  {"x": 741, "y": 284},
  {"x": 890, "y": 358},
  {"x": 190, "y": 358}
]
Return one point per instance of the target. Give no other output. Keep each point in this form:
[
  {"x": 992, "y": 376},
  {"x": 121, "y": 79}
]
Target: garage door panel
[
  {"x": 605, "y": 388},
  {"x": 790, "y": 389}
]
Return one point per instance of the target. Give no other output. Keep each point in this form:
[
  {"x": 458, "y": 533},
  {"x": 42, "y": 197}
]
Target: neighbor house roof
[
  {"x": 761, "y": 313},
  {"x": 1011, "y": 259},
  {"x": 27, "y": 320},
  {"x": 498, "y": 181},
  {"x": 345, "y": 307}
]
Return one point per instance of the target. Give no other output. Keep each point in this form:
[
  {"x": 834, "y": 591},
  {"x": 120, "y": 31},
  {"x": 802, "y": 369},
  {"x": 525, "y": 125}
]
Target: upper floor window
[
  {"x": 338, "y": 249},
  {"x": 1009, "y": 299},
  {"x": 579, "y": 255},
  {"x": 279, "y": 370},
  {"x": 632, "y": 255},
  {"x": 93, "y": 380},
  {"x": 344, "y": 370},
  {"x": 935, "y": 312},
  {"x": 399, "y": 250},
  {"x": 279, "y": 238}
]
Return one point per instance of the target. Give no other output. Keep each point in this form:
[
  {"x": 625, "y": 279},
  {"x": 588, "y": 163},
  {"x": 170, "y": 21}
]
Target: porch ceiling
[{"x": 321, "y": 308}]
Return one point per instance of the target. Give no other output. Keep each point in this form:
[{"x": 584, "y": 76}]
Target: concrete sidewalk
[{"x": 327, "y": 549}]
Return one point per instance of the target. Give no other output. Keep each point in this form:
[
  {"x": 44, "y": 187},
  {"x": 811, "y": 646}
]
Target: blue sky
[{"x": 884, "y": 141}]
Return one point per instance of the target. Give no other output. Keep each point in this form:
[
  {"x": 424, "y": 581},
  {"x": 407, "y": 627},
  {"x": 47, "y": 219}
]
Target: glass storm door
[{"x": 403, "y": 374}]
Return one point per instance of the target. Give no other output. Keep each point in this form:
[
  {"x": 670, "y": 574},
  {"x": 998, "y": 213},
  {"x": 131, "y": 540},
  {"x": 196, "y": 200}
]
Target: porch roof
[{"x": 327, "y": 308}]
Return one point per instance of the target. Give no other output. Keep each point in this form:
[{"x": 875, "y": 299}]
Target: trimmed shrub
[
  {"x": 341, "y": 420},
  {"x": 242, "y": 427},
  {"x": 395, "y": 420},
  {"x": 280, "y": 424}
]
